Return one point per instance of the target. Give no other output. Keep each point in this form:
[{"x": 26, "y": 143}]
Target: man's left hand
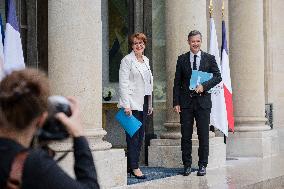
[
  {"x": 150, "y": 111},
  {"x": 199, "y": 89}
]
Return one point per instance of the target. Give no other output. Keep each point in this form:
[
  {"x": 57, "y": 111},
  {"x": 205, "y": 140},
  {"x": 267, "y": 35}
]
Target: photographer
[{"x": 23, "y": 110}]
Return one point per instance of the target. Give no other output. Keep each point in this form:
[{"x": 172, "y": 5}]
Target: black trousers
[
  {"x": 135, "y": 142},
  {"x": 202, "y": 117}
]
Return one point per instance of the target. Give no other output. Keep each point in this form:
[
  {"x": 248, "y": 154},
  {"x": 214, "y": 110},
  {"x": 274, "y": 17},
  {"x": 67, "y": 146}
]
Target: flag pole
[
  {"x": 223, "y": 9},
  {"x": 211, "y": 8}
]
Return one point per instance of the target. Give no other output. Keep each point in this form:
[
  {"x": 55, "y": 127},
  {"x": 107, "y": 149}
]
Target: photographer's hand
[{"x": 73, "y": 123}]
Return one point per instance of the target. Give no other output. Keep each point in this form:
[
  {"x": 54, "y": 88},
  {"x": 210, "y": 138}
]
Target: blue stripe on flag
[
  {"x": 13, "y": 52},
  {"x": 2, "y": 29},
  {"x": 224, "y": 39},
  {"x": 12, "y": 17}
]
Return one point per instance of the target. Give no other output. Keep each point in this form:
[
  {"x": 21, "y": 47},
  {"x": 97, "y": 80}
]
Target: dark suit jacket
[{"x": 181, "y": 92}]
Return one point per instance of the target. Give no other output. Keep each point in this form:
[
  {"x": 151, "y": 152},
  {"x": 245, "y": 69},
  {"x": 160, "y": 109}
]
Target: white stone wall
[
  {"x": 75, "y": 54},
  {"x": 75, "y": 68},
  {"x": 276, "y": 60}
]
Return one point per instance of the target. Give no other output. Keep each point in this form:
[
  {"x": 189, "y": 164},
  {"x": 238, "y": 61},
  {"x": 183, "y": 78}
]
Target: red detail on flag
[{"x": 229, "y": 108}]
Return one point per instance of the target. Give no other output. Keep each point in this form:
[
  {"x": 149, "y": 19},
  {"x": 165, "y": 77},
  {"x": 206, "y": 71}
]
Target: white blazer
[{"x": 131, "y": 83}]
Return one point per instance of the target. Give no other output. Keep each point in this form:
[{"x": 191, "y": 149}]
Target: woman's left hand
[{"x": 150, "y": 111}]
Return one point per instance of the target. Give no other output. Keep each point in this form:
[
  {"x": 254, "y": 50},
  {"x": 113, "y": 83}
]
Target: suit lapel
[
  {"x": 202, "y": 62},
  {"x": 187, "y": 61}
]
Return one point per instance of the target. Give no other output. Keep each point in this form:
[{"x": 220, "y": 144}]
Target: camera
[{"x": 52, "y": 128}]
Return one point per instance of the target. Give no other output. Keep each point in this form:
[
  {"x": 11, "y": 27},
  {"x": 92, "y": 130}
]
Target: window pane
[
  {"x": 118, "y": 35},
  {"x": 24, "y": 43},
  {"x": 159, "y": 64},
  {"x": 23, "y": 12}
]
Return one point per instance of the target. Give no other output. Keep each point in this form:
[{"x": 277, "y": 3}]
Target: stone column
[
  {"x": 275, "y": 56},
  {"x": 247, "y": 65},
  {"x": 182, "y": 16},
  {"x": 75, "y": 68}
]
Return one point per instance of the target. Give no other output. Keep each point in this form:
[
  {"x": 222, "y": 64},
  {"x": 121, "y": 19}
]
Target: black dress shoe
[
  {"x": 201, "y": 171},
  {"x": 136, "y": 176},
  {"x": 186, "y": 171}
]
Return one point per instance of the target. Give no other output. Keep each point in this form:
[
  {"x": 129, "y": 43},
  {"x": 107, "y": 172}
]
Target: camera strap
[
  {"x": 62, "y": 156},
  {"x": 15, "y": 177},
  {"x": 52, "y": 153}
]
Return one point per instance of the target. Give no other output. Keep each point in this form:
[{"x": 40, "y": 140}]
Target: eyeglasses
[{"x": 139, "y": 43}]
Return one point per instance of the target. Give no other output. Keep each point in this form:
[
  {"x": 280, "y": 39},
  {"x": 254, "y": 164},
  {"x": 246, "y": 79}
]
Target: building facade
[{"x": 80, "y": 44}]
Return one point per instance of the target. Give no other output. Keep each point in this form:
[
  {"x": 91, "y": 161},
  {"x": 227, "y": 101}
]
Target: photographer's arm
[
  {"x": 84, "y": 164},
  {"x": 43, "y": 172},
  {"x": 84, "y": 167}
]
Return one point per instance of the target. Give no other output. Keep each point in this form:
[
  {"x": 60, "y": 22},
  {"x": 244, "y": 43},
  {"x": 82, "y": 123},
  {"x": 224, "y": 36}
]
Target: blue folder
[
  {"x": 198, "y": 77},
  {"x": 129, "y": 123}
]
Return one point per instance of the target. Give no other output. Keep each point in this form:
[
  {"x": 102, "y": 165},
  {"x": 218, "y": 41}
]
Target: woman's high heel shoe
[{"x": 136, "y": 176}]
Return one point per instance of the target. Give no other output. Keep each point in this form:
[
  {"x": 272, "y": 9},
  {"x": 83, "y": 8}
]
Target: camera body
[{"x": 53, "y": 128}]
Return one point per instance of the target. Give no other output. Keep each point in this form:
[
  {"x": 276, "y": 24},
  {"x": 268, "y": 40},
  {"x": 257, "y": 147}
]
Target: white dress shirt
[
  {"x": 146, "y": 74},
  {"x": 198, "y": 58}
]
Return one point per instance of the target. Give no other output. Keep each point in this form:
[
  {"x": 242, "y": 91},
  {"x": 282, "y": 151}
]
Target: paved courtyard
[{"x": 237, "y": 173}]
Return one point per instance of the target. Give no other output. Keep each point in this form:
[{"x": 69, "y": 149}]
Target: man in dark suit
[{"x": 194, "y": 104}]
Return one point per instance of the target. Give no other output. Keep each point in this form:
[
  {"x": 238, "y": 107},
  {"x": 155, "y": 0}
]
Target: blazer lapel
[{"x": 147, "y": 63}]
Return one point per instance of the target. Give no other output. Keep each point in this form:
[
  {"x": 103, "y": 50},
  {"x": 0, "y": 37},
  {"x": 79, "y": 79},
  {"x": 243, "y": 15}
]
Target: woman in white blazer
[{"x": 135, "y": 88}]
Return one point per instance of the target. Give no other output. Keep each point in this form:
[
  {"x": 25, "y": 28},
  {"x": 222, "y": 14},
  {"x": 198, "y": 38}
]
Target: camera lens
[{"x": 53, "y": 128}]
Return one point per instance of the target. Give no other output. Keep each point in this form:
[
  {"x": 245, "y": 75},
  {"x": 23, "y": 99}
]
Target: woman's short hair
[
  {"x": 140, "y": 36},
  {"x": 23, "y": 97}
]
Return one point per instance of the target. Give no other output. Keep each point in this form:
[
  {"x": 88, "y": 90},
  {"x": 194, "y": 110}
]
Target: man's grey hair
[{"x": 194, "y": 33}]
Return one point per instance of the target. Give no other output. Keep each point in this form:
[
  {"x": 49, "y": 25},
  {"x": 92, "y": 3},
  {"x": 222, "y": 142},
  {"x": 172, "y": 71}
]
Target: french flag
[
  {"x": 13, "y": 52},
  {"x": 218, "y": 116},
  {"x": 228, "y": 93},
  {"x": 1, "y": 51}
]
